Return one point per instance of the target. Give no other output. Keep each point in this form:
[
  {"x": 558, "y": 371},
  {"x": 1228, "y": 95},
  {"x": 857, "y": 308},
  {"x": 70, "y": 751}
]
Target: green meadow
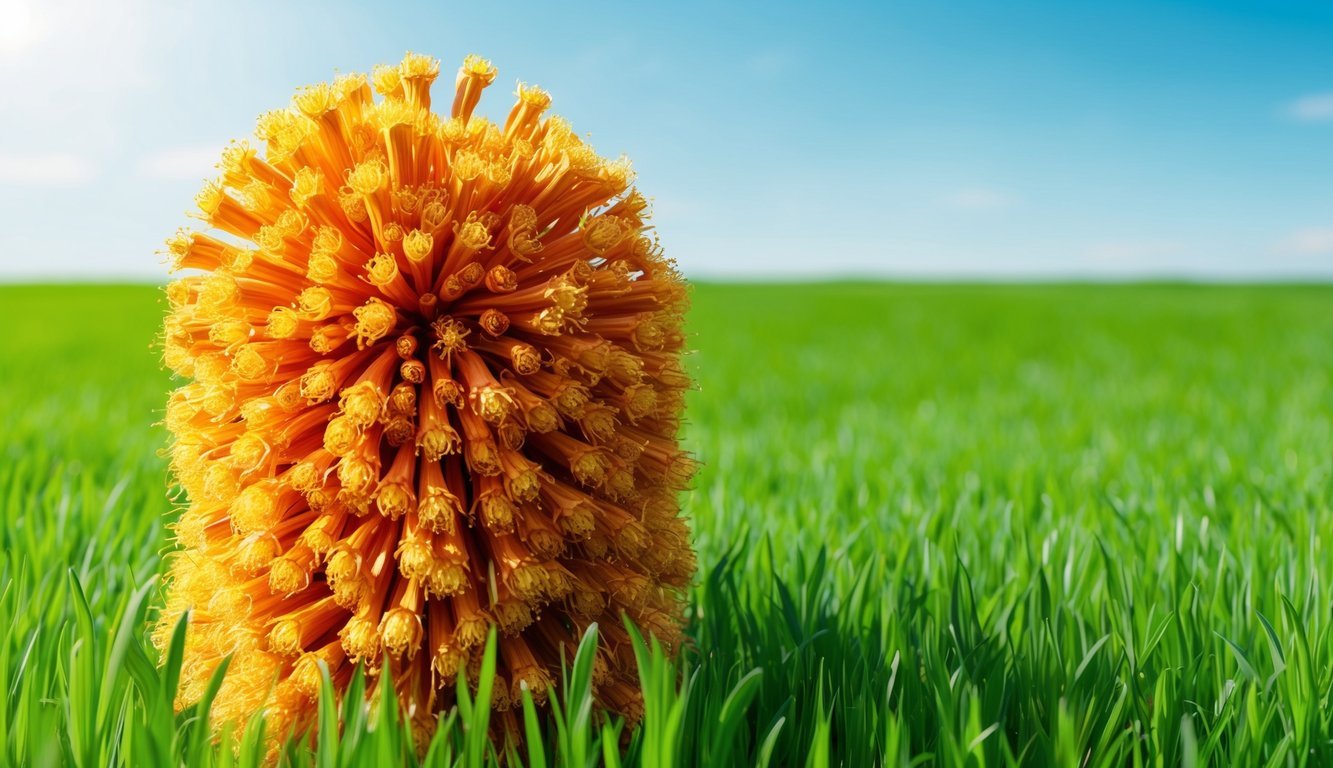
[{"x": 937, "y": 525}]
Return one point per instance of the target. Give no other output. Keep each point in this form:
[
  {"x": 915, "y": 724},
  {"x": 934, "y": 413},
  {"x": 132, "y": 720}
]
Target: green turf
[{"x": 961, "y": 525}]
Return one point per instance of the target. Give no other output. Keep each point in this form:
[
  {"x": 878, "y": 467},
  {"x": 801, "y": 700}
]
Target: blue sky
[{"x": 939, "y": 139}]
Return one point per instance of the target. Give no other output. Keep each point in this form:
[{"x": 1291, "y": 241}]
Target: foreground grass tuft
[{"x": 941, "y": 525}]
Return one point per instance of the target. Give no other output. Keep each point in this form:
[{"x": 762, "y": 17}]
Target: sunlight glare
[{"x": 18, "y": 26}]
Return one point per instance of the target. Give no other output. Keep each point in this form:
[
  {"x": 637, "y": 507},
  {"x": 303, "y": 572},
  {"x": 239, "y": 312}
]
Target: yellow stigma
[
  {"x": 450, "y": 336},
  {"x": 437, "y": 441},
  {"x": 287, "y": 576},
  {"x": 282, "y": 323},
  {"x": 305, "y": 185},
  {"x": 322, "y": 268},
  {"x": 387, "y": 80},
  {"x": 473, "y": 235},
  {"x": 381, "y": 269},
  {"x": 219, "y": 292},
  {"x": 393, "y": 500},
  {"x": 318, "y": 384},
  {"x": 229, "y": 332},
  {"x": 415, "y": 559},
  {"x": 249, "y": 363},
  {"x": 285, "y": 637},
  {"x": 469, "y": 165},
  {"x": 360, "y": 640},
  {"x": 327, "y": 239},
  {"x": 417, "y": 245},
  {"x": 367, "y": 177},
  {"x": 419, "y": 66},
  {"x": 477, "y": 67},
  {"x": 362, "y": 403},
  {"x": 257, "y": 551},
  {"x": 446, "y": 580},
  {"x": 494, "y": 404},
  {"x": 210, "y": 198},
  {"x": 315, "y": 302},
  {"x": 533, "y": 96},
  {"x": 341, "y": 436},
  {"x": 358, "y": 479},
  {"x": 401, "y": 630},
  {"x": 374, "y": 320},
  {"x": 603, "y": 233}
]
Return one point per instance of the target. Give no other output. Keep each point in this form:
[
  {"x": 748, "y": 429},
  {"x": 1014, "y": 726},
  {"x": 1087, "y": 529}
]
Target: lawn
[{"x": 942, "y": 525}]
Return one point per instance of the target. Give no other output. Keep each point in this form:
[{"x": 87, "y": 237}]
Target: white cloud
[
  {"x": 980, "y": 199},
  {"x": 55, "y": 169},
  {"x": 191, "y": 163},
  {"x": 1313, "y": 241},
  {"x": 1315, "y": 108}
]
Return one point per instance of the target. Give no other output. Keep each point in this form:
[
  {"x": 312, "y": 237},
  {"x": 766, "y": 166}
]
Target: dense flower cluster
[{"x": 434, "y": 386}]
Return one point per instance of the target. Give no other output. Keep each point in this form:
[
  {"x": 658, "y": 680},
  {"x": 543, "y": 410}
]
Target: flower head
[{"x": 433, "y": 387}]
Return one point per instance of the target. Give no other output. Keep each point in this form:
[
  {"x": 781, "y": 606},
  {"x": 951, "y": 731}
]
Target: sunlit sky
[{"x": 937, "y": 139}]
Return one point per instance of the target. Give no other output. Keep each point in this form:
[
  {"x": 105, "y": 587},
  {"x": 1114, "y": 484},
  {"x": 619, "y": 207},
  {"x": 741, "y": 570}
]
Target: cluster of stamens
[{"x": 434, "y": 387}]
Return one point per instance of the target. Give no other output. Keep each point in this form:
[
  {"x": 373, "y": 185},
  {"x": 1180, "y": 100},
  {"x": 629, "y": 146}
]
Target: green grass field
[{"x": 938, "y": 525}]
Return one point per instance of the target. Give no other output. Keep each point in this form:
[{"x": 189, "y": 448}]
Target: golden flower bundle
[{"x": 433, "y": 387}]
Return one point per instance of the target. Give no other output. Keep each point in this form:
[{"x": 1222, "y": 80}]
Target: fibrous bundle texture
[{"x": 432, "y": 386}]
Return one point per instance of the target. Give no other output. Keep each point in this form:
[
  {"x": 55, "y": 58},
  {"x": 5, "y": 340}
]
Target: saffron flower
[{"x": 433, "y": 385}]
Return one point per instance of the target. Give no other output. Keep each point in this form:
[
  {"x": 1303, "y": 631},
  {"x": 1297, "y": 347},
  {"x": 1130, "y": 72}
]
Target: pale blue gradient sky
[{"x": 898, "y": 139}]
